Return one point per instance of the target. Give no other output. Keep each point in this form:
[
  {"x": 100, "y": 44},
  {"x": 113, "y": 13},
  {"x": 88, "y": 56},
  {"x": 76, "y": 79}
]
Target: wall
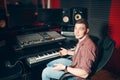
[{"x": 114, "y": 24}]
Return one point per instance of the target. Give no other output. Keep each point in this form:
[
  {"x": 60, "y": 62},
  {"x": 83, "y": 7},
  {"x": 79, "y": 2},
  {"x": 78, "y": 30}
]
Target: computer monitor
[
  {"x": 50, "y": 16},
  {"x": 21, "y": 17}
]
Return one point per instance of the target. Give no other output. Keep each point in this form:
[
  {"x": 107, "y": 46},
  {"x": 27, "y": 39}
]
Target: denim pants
[{"x": 48, "y": 72}]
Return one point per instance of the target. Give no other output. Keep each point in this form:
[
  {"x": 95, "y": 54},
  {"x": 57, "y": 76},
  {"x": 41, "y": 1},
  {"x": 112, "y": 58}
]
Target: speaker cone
[
  {"x": 78, "y": 16},
  {"x": 2, "y": 23},
  {"x": 65, "y": 19}
]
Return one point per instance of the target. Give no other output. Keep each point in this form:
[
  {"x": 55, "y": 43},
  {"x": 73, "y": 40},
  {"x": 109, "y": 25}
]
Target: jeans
[{"x": 48, "y": 72}]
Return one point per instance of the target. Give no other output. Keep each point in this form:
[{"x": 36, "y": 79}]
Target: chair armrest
[{"x": 65, "y": 76}]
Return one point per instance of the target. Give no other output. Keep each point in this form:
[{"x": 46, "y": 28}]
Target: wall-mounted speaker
[
  {"x": 66, "y": 16},
  {"x": 78, "y": 13}
]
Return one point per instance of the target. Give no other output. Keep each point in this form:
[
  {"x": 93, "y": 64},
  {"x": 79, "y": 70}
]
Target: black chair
[{"x": 106, "y": 48}]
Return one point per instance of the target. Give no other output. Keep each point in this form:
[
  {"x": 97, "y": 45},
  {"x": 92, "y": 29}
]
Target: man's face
[{"x": 80, "y": 31}]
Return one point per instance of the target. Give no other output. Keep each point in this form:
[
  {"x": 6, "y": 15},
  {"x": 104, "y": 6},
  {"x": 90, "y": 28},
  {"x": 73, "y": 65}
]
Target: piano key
[{"x": 44, "y": 56}]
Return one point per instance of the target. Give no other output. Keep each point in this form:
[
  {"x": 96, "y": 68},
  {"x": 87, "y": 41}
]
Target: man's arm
[
  {"x": 77, "y": 72},
  {"x": 64, "y": 52}
]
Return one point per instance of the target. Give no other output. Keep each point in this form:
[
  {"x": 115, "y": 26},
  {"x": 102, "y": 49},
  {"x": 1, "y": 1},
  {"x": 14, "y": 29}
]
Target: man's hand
[
  {"x": 63, "y": 52},
  {"x": 59, "y": 67}
]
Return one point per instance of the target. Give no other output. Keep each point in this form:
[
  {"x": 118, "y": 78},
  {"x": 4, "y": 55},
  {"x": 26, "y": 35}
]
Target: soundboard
[{"x": 28, "y": 40}]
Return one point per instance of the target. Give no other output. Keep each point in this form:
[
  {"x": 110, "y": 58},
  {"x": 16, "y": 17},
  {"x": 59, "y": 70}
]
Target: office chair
[{"x": 106, "y": 49}]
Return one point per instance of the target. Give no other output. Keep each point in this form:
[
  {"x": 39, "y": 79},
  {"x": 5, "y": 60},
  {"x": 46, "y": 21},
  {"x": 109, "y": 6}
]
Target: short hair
[{"x": 82, "y": 21}]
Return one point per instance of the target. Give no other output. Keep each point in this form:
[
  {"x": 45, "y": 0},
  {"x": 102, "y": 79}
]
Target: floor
[{"x": 105, "y": 75}]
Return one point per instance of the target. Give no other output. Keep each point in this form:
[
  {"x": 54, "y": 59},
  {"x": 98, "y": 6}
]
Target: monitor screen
[
  {"x": 50, "y": 16},
  {"x": 22, "y": 17}
]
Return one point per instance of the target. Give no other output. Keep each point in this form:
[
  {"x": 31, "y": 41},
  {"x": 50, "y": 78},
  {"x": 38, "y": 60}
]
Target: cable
[{"x": 8, "y": 64}]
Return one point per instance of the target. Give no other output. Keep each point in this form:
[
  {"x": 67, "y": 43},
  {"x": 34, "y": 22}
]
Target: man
[{"x": 82, "y": 58}]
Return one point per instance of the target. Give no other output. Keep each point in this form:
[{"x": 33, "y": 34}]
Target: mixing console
[{"x": 28, "y": 40}]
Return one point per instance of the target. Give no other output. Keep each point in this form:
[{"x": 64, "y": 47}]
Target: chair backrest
[{"x": 106, "y": 49}]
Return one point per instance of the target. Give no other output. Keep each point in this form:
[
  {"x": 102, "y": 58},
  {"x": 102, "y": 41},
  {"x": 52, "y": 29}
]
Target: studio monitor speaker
[
  {"x": 3, "y": 19},
  {"x": 78, "y": 13},
  {"x": 66, "y": 16}
]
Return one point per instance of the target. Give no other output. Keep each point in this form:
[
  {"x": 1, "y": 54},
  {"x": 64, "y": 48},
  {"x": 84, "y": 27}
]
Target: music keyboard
[{"x": 43, "y": 56}]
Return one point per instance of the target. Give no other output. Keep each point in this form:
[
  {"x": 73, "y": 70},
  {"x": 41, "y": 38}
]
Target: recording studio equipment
[
  {"x": 44, "y": 56},
  {"x": 66, "y": 17},
  {"x": 21, "y": 17},
  {"x": 20, "y": 3},
  {"x": 50, "y": 16},
  {"x": 8, "y": 64},
  {"x": 33, "y": 39},
  {"x": 68, "y": 33},
  {"x": 41, "y": 46},
  {"x": 3, "y": 19},
  {"x": 78, "y": 13},
  {"x": 11, "y": 72},
  {"x": 73, "y": 14}
]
